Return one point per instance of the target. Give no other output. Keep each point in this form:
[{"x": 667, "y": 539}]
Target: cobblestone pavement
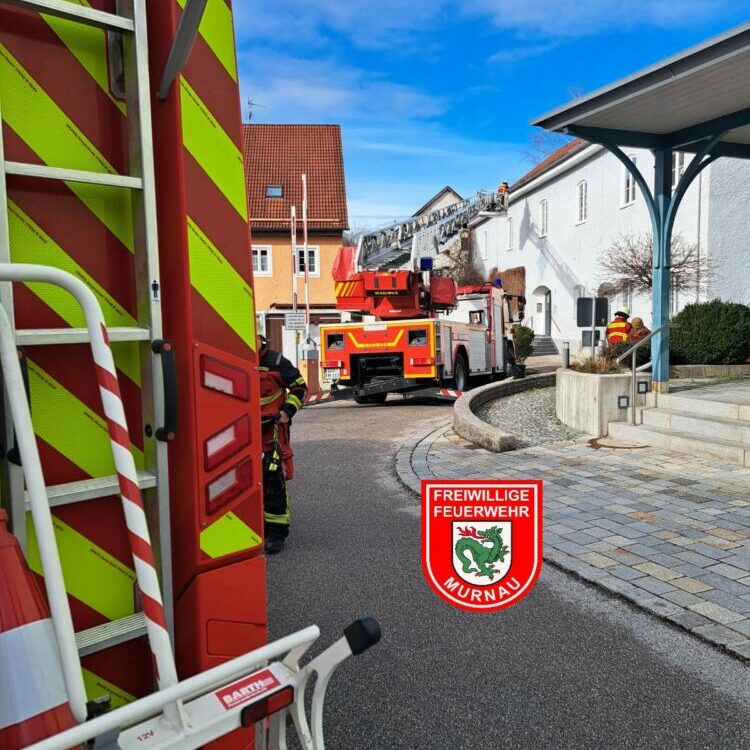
[
  {"x": 530, "y": 416},
  {"x": 667, "y": 531}
]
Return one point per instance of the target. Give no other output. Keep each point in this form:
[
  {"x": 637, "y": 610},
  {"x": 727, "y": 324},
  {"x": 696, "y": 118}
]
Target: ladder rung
[
  {"x": 43, "y": 336},
  {"x": 90, "y": 489},
  {"x": 72, "y": 175},
  {"x": 79, "y": 13},
  {"x": 111, "y": 634}
]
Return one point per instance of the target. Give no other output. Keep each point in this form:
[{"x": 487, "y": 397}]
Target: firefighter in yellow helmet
[
  {"x": 282, "y": 394},
  {"x": 619, "y": 329}
]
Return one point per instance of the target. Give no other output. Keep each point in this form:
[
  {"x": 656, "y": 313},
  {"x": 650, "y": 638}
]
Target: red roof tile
[
  {"x": 552, "y": 160},
  {"x": 278, "y": 155}
]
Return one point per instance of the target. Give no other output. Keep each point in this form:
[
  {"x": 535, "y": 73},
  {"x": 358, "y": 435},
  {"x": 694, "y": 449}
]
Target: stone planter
[
  {"x": 470, "y": 427},
  {"x": 588, "y": 402}
]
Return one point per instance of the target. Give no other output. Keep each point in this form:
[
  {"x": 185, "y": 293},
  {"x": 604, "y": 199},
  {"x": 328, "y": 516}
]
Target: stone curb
[
  {"x": 416, "y": 449},
  {"x": 468, "y": 425}
]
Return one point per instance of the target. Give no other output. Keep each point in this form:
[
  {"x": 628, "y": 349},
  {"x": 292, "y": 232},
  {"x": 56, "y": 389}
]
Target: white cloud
[
  {"x": 297, "y": 90},
  {"x": 366, "y": 23},
  {"x": 578, "y": 18}
]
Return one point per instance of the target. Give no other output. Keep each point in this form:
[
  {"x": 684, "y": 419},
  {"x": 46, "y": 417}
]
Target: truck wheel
[
  {"x": 376, "y": 398},
  {"x": 461, "y": 374}
]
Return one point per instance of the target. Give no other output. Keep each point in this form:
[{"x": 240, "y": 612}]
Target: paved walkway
[{"x": 667, "y": 531}]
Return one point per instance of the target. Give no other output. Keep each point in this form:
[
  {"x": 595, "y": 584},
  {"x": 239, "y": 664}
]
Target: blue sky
[{"x": 436, "y": 92}]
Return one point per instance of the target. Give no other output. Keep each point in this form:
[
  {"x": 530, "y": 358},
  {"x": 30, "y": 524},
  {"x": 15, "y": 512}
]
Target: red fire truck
[
  {"x": 132, "y": 462},
  {"x": 421, "y": 333}
]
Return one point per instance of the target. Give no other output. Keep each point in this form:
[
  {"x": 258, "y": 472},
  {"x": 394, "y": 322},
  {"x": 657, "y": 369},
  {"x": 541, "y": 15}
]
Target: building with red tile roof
[{"x": 276, "y": 157}]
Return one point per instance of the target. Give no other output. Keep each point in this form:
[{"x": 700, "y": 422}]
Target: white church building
[{"x": 572, "y": 206}]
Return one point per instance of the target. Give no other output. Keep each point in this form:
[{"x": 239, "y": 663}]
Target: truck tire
[
  {"x": 376, "y": 398},
  {"x": 461, "y": 373}
]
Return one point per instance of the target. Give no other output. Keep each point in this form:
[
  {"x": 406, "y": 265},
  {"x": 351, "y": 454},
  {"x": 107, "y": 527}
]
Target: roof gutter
[{"x": 555, "y": 171}]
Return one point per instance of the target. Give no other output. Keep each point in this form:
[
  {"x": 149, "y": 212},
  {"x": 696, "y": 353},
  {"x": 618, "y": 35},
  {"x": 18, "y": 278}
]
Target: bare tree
[
  {"x": 627, "y": 265},
  {"x": 543, "y": 143},
  {"x": 352, "y": 235}
]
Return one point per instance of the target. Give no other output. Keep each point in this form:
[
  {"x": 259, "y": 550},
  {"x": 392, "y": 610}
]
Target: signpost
[
  {"x": 592, "y": 312},
  {"x": 294, "y": 321}
]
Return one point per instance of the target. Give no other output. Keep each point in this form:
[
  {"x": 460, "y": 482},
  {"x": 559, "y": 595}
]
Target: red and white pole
[
  {"x": 132, "y": 503},
  {"x": 307, "y": 258}
]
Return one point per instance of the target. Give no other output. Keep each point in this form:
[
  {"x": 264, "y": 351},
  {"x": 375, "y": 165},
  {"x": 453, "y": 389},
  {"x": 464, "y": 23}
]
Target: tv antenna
[{"x": 250, "y": 105}]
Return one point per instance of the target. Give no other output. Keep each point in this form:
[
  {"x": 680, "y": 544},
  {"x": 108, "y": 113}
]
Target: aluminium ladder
[
  {"x": 154, "y": 480},
  {"x": 400, "y": 245}
]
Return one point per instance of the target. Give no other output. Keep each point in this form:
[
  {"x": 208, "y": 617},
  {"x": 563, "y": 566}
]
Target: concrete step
[
  {"x": 683, "y": 402},
  {"x": 710, "y": 427},
  {"x": 731, "y": 451},
  {"x": 543, "y": 345}
]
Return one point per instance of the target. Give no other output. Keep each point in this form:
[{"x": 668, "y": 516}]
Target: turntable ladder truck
[
  {"x": 132, "y": 461},
  {"x": 421, "y": 335}
]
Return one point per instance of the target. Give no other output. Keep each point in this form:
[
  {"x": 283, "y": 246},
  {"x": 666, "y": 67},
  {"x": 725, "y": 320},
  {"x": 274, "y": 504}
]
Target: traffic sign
[{"x": 294, "y": 321}]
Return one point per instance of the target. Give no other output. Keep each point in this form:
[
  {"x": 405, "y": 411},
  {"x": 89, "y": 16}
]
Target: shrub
[
  {"x": 642, "y": 355},
  {"x": 597, "y": 366},
  {"x": 711, "y": 333},
  {"x": 522, "y": 338}
]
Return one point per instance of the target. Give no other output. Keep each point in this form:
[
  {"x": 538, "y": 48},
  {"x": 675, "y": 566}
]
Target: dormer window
[{"x": 274, "y": 191}]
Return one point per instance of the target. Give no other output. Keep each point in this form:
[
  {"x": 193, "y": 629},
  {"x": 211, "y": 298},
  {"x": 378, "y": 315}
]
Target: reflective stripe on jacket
[{"x": 618, "y": 331}]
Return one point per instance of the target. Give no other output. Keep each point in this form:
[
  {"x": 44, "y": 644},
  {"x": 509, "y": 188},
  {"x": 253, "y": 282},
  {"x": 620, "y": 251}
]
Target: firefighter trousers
[{"x": 276, "y": 509}]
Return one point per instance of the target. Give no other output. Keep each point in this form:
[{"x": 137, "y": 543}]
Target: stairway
[
  {"x": 712, "y": 421},
  {"x": 543, "y": 346}
]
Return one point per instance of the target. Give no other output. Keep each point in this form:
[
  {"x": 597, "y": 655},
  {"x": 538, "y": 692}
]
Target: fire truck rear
[{"x": 419, "y": 330}]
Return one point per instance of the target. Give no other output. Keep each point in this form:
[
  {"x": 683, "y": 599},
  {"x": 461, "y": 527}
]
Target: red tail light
[
  {"x": 331, "y": 364},
  {"x": 224, "y": 378},
  {"x": 228, "y": 486},
  {"x": 266, "y": 706},
  {"x": 226, "y": 443}
]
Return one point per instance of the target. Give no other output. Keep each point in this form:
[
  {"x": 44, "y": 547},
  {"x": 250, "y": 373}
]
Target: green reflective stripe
[
  {"x": 227, "y": 535},
  {"x": 213, "y": 149},
  {"x": 70, "y": 427},
  {"x": 293, "y": 400},
  {"x": 265, "y": 400},
  {"x": 92, "y": 575},
  {"x": 285, "y": 518},
  {"x": 217, "y": 28},
  {"x": 54, "y": 137},
  {"x": 127, "y": 355},
  {"x": 299, "y": 381},
  {"x": 216, "y": 280},
  {"x": 98, "y": 687},
  {"x": 89, "y": 46},
  {"x": 29, "y": 243}
]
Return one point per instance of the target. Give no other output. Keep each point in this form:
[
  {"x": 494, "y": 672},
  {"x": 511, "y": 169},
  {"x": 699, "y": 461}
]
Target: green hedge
[{"x": 711, "y": 333}]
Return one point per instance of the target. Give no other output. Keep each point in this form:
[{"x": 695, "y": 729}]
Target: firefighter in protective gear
[
  {"x": 619, "y": 329},
  {"x": 282, "y": 393}
]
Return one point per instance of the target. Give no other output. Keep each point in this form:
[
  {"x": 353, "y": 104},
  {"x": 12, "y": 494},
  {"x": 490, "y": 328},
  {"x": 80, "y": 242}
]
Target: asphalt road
[{"x": 567, "y": 668}]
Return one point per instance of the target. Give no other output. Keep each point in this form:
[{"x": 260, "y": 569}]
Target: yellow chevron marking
[{"x": 378, "y": 345}]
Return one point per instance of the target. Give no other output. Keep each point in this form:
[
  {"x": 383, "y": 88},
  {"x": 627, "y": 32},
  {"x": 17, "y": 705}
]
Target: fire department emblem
[{"x": 481, "y": 540}]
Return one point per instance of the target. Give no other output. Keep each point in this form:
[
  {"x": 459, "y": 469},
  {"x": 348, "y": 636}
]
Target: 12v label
[{"x": 482, "y": 540}]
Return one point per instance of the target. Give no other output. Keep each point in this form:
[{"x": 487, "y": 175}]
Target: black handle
[
  {"x": 14, "y": 455},
  {"x": 362, "y": 634},
  {"x": 165, "y": 349}
]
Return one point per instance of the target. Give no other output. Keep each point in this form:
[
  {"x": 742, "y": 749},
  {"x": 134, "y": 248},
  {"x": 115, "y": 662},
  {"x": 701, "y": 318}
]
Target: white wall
[
  {"x": 729, "y": 230},
  {"x": 566, "y": 259}
]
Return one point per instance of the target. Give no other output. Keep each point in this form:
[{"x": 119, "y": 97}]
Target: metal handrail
[
  {"x": 632, "y": 352},
  {"x": 639, "y": 344}
]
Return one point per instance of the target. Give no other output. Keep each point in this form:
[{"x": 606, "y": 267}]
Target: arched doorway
[{"x": 542, "y": 317}]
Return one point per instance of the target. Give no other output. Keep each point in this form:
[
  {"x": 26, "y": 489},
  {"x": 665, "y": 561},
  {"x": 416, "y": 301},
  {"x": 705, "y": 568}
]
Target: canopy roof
[{"x": 689, "y": 97}]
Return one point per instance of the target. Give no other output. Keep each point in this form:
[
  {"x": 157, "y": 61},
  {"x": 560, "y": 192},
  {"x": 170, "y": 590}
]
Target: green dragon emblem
[{"x": 473, "y": 553}]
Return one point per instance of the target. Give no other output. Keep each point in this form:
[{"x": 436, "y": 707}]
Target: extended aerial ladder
[
  {"x": 421, "y": 335},
  {"x": 404, "y": 243}
]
